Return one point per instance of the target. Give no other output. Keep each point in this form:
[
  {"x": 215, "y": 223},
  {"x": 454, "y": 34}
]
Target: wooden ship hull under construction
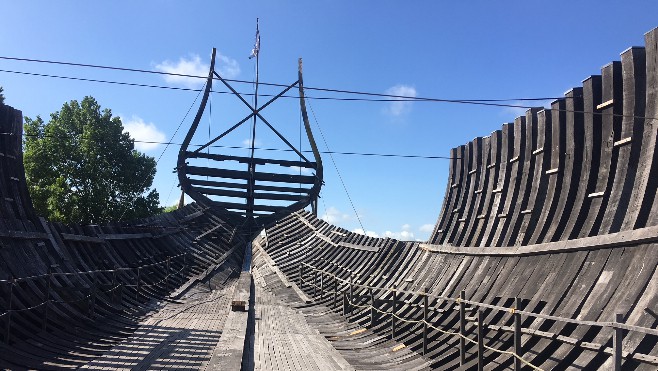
[{"x": 544, "y": 256}]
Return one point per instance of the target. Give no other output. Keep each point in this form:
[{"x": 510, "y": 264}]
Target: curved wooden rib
[
  {"x": 315, "y": 191},
  {"x": 182, "y": 154}
]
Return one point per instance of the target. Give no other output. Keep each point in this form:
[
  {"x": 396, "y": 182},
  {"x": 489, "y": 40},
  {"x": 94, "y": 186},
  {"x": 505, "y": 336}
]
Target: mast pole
[{"x": 252, "y": 165}]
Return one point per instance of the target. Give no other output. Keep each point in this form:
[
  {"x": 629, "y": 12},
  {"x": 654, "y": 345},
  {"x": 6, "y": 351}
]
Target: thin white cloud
[
  {"x": 367, "y": 233},
  {"x": 400, "y": 106},
  {"x": 227, "y": 67},
  {"x": 404, "y": 235},
  {"x": 427, "y": 228},
  {"x": 193, "y": 66},
  {"x": 303, "y": 170},
  {"x": 247, "y": 143},
  {"x": 515, "y": 111},
  {"x": 145, "y": 134},
  {"x": 332, "y": 215}
]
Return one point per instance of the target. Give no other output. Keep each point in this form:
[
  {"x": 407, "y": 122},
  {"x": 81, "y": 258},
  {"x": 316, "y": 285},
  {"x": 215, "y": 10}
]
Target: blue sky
[{"x": 454, "y": 50}]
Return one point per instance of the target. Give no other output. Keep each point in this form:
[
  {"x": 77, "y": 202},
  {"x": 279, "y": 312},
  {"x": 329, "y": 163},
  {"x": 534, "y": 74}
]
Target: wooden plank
[
  {"x": 247, "y": 160},
  {"x": 81, "y": 238},
  {"x": 610, "y": 127},
  {"x": 245, "y": 175},
  {"x": 257, "y": 195}
]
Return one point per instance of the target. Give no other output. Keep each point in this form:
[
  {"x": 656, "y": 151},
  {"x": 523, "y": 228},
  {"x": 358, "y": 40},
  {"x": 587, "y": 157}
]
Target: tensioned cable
[
  {"x": 336, "y": 167},
  {"x": 125, "y": 69},
  {"x": 392, "y": 98},
  {"x": 263, "y": 148}
]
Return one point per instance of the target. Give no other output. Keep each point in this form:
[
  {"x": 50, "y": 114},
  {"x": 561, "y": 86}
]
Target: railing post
[
  {"x": 321, "y": 285},
  {"x": 114, "y": 285},
  {"x": 344, "y": 303},
  {"x": 351, "y": 293},
  {"x": 44, "y": 327},
  {"x": 517, "y": 335},
  {"x": 185, "y": 270},
  {"x": 138, "y": 283},
  {"x": 425, "y": 319},
  {"x": 315, "y": 283},
  {"x": 301, "y": 275},
  {"x": 617, "y": 342},
  {"x": 168, "y": 273},
  {"x": 480, "y": 340},
  {"x": 335, "y": 291},
  {"x": 462, "y": 328},
  {"x": 92, "y": 296},
  {"x": 372, "y": 308},
  {"x": 394, "y": 312},
  {"x": 9, "y": 311}
]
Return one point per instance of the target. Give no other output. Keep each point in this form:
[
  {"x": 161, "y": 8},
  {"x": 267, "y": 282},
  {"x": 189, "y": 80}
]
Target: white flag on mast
[{"x": 256, "y": 49}]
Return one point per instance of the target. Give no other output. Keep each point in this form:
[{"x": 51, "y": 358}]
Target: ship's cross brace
[{"x": 254, "y": 112}]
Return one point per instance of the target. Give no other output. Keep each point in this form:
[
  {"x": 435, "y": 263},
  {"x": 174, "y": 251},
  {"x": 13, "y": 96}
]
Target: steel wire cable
[
  {"x": 125, "y": 69},
  {"x": 391, "y": 98},
  {"x": 257, "y": 148}
]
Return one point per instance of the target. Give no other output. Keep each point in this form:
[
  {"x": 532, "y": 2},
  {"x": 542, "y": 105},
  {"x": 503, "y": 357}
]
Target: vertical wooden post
[
  {"x": 186, "y": 268},
  {"x": 92, "y": 296},
  {"x": 462, "y": 328},
  {"x": 425, "y": 320},
  {"x": 351, "y": 293},
  {"x": 44, "y": 326},
  {"x": 168, "y": 273},
  {"x": 335, "y": 291},
  {"x": 114, "y": 285},
  {"x": 138, "y": 283},
  {"x": 321, "y": 285},
  {"x": 301, "y": 275},
  {"x": 315, "y": 283},
  {"x": 394, "y": 312},
  {"x": 344, "y": 304},
  {"x": 9, "y": 311},
  {"x": 517, "y": 335},
  {"x": 372, "y": 308},
  {"x": 480, "y": 340},
  {"x": 617, "y": 342}
]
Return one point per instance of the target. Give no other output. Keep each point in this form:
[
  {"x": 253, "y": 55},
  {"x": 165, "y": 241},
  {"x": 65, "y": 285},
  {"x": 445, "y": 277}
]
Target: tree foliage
[
  {"x": 82, "y": 168},
  {"x": 2, "y": 96}
]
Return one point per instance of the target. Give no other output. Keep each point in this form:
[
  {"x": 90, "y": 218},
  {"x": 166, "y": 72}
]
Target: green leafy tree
[
  {"x": 2, "y": 96},
  {"x": 82, "y": 168},
  {"x": 169, "y": 209}
]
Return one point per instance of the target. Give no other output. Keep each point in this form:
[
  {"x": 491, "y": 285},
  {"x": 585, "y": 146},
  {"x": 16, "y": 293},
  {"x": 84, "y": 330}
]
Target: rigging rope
[
  {"x": 164, "y": 150},
  {"x": 336, "y": 167}
]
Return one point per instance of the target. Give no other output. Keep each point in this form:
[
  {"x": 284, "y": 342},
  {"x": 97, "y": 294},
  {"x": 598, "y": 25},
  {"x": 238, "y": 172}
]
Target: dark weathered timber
[
  {"x": 589, "y": 161},
  {"x": 527, "y": 163},
  {"x": 562, "y": 283},
  {"x": 643, "y": 197},
  {"x": 493, "y": 221},
  {"x": 474, "y": 175},
  {"x": 513, "y": 197},
  {"x": 483, "y": 175},
  {"x": 610, "y": 128},
  {"x": 245, "y": 175},
  {"x": 573, "y": 138},
  {"x": 633, "y": 63},
  {"x": 250, "y": 218},
  {"x": 245, "y": 160},
  {"x": 541, "y": 161},
  {"x": 492, "y": 167}
]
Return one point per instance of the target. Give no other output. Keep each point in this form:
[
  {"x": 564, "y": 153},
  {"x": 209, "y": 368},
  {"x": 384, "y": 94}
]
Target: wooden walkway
[
  {"x": 283, "y": 340},
  {"x": 291, "y": 334},
  {"x": 181, "y": 335}
]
